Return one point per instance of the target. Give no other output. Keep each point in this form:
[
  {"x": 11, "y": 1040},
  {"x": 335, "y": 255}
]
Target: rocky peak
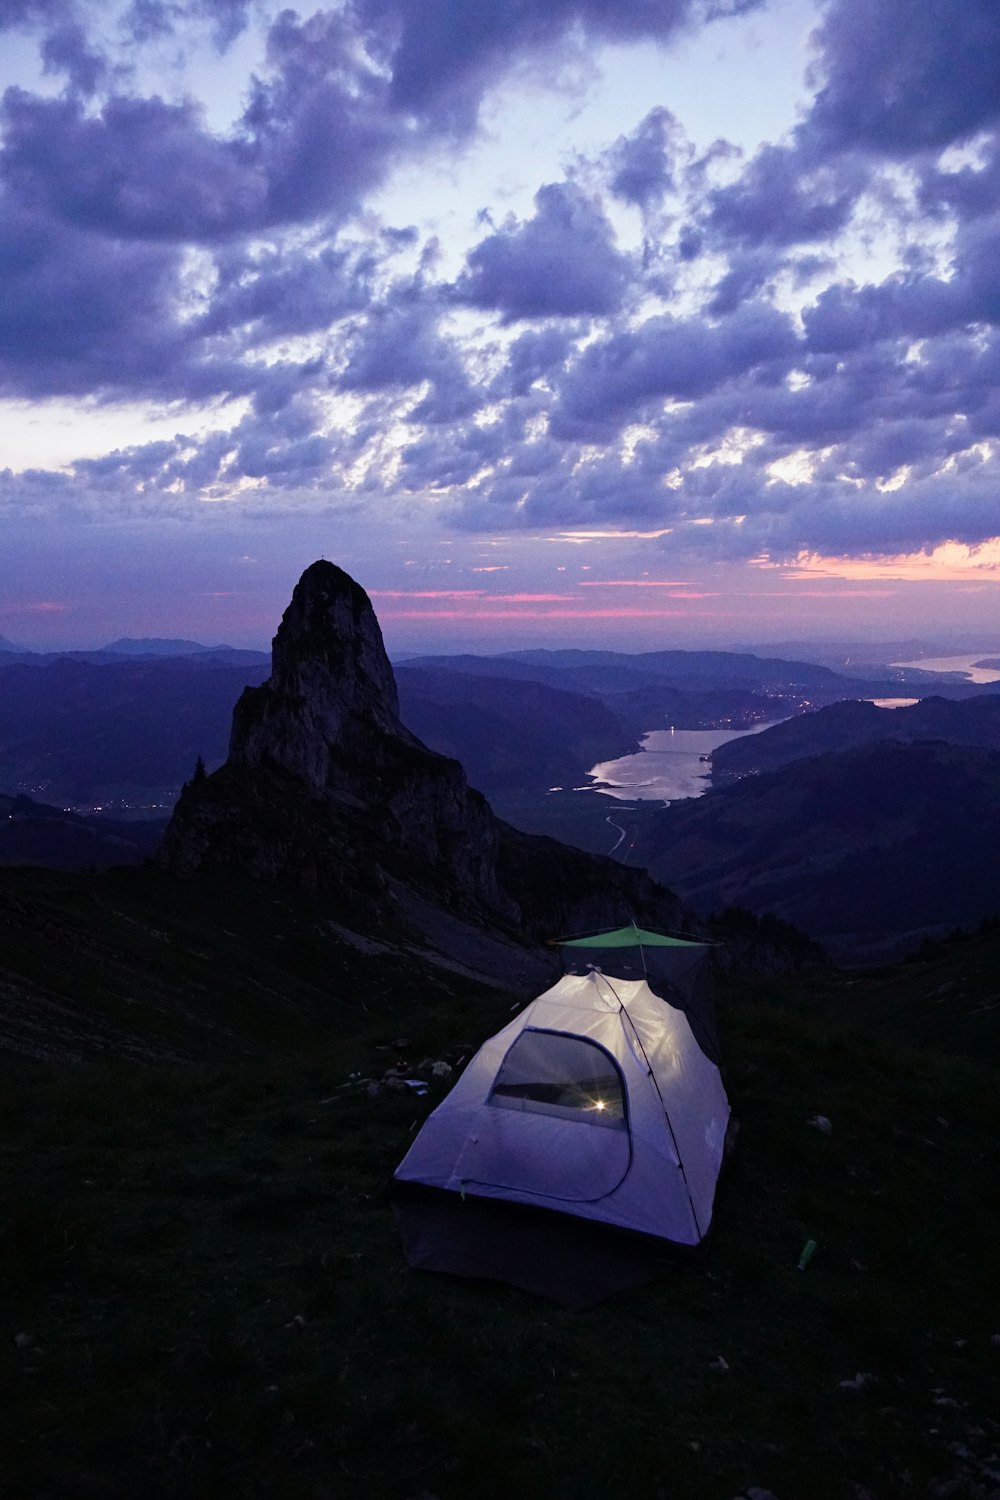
[
  {"x": 325, "y": 789},
  {"x": 331, "y": 689}
]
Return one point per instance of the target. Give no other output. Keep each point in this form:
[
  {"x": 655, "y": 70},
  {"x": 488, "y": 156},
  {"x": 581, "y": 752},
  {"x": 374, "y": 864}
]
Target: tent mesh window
[{"x": 548, "y": 1072}]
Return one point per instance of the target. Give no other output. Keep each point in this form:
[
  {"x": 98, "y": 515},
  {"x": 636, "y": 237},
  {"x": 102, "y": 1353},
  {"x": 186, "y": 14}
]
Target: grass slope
[
  {"x": 868, "y": 850},
  {"x": 137, "y": 964},
  {"x": 205, "y": 1296},
  {"x": 946, "y": 997}
]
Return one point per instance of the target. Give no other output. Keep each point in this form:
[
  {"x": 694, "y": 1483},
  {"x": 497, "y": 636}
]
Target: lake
[
  {"x": 668, "y": 767},
  {"x": 965, "y": 664}
]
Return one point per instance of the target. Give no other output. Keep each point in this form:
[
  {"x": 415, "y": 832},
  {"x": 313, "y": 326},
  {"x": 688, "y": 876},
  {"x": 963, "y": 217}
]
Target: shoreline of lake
[
  {"x": 965, "y": 666},
  {"x": 670, "y": 766}
]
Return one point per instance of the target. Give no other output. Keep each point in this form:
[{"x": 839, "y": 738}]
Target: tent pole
[{"x": 642, "y": 951}]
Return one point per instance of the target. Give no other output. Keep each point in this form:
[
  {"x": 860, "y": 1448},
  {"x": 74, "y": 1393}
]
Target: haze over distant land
[{"x": 575, "y": 324}]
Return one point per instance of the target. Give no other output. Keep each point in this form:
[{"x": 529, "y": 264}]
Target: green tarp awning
[{"x": 627, "y": 937}]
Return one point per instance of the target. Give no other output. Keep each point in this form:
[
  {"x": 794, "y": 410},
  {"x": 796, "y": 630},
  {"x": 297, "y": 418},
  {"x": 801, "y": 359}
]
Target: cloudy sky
[{"x": 553, "y": 321}]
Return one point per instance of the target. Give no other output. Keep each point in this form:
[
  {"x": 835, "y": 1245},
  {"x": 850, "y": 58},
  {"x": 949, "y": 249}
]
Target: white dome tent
[{"x": 601, "y": 1104}]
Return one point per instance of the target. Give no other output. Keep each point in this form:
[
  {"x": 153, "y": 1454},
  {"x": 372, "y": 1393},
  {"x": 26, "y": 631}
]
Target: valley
[{"x": 564, "y": 744}]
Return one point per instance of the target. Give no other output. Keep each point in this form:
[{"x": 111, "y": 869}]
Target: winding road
[{"x": 622, "y": 834}]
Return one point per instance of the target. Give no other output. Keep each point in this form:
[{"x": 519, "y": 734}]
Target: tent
[{"x": 599, "y": 1107}]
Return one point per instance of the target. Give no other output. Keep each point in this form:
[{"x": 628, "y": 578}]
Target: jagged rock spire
[
  {"x": 330, "y": 628},
  {"x": 331, "y": 688}
]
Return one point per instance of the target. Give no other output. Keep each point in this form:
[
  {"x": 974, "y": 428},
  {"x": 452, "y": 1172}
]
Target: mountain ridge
[
  {"x": 326, "y": 789},
  {"x": 869, "y": 849},
  {"x": 155, "y": 645},
  {"x": 839, "y": 726}
]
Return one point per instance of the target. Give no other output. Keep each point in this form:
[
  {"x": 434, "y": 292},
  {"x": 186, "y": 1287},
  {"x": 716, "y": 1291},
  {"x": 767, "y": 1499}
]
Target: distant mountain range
[
  {"x": 780, "y": 687},
  {"x": 158, "y": 646},
  {"x": 144, "y": 649},
  {"x": 860, "y": 657},
  {"x": 126, "y": 725}
]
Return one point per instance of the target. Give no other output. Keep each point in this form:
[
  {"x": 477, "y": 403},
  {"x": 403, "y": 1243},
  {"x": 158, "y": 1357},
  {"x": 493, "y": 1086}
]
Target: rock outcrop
[{"x": 325, "y": 789}]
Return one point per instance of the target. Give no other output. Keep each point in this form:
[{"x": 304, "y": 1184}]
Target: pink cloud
[
  {"x": 824, "y": 594},
  {"x": 427, "y": 593},
  {"x": 479, "y": 596},
  {"x": 542, "y": 614}
]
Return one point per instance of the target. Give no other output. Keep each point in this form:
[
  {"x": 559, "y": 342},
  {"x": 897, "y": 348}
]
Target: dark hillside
[
  {"x": 946, "y": 997},
  {"x": 32, "y": 833},
  {"x": 867, "y": 850},
  {"x": 969, "y": 721},
  {"x": 507, "y": 734},
  {"x": 134, "y": 964},
  {"x": 730, "y": 669}
]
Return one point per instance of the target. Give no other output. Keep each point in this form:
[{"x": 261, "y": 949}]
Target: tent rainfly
[{"x": 601, "y": 1104}]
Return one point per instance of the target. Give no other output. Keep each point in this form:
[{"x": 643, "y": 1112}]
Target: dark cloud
[
  {"x": 289, "y": 454},
  {"x": 835, "y": 519},
  {"x": 533, "y": 356},
  {"x": 916, "y": 306},
  {"x": 550, "y": 484},
  {"x": 845, "y": 318},
  {"x": 33, "y": 13},
  {"x": 149, "y": 20},
  {"x": 80, "y": 313},
  {"x": 741, "y": 510},
  {"x": 560, "y": 263},
  {"x": 271, "y": 292},
  {"x": 443, "y": 53},
  {"x": 66, "y": 50},
  {"x": 904, "y": 76},
  {"x": 229, "y": 18},
  {"x": 399, "y": 347},
  {"x": 83, "y": 314},
  {"x": 641, "y": 165},
  {"x": 968, "y": 191},
  {"x": 142, "y": 169},
  {"x": 280, "y": 451},
  {"x": 617, "y": 378},
  {"x": 320, "y": 126},
  {"x": 314, "y": 139},
  {"x": 779, "y": 200},
  {"x": 748, "y": 273},
  {"x": 444, "y": 459},
  {"x": 886, "y": 447}
]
